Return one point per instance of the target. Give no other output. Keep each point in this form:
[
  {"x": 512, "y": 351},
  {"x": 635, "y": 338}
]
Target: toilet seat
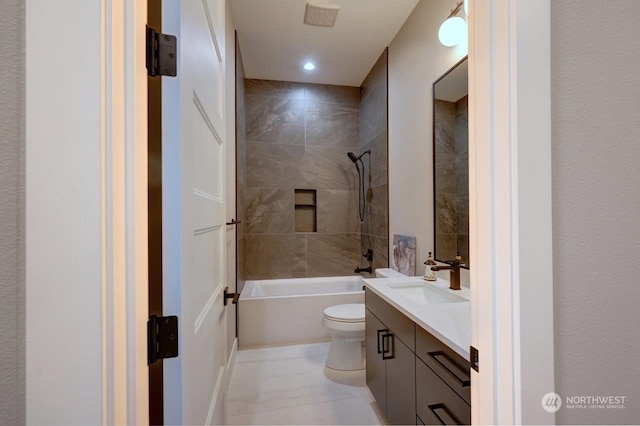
[{"x": 348, "y": 313}]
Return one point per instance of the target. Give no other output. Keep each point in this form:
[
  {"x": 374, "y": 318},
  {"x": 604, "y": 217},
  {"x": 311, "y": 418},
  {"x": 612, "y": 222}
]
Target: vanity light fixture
[
  {"x": 309, "y": 66},
  {"x": 454, "y": 29}
]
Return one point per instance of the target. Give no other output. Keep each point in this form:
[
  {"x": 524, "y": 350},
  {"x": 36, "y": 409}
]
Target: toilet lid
[{"x": 352, "y": 312}]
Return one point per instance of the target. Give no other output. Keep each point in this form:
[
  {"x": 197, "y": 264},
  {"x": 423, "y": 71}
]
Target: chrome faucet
[{"x": 454, "y": 278}]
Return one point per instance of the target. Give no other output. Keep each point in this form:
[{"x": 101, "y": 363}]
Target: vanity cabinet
[
  {"x": 390, "y": 360},
  {"x": 414, "y": 377}
]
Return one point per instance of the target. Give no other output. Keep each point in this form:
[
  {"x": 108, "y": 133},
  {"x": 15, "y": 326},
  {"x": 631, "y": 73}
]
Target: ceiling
[{"x": 275, "y": 43}]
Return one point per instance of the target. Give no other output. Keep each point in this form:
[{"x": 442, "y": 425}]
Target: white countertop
[{"x": 449, "y": 322}]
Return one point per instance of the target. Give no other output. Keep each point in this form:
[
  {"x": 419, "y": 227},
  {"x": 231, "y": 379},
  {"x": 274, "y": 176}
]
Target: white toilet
[{"x": 347, "y": 326}]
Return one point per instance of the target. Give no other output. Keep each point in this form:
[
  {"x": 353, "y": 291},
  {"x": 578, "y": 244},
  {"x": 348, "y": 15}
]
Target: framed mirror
[{"x": 451, "y": 165}]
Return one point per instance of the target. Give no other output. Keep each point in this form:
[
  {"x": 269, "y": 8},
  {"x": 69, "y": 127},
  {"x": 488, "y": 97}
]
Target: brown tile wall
[
  {"x": 241, "y": 170},
  {"x": 297, "y": 137},
  {"x": 374, "y": 137},
  {"x": 452, "y": 182}
]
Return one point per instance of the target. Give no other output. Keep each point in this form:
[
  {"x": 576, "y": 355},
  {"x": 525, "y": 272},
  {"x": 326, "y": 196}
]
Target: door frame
[
  {"x": 86, "y": 129},
  {"x": 510, "y": 206},
  {"x": 510, "y": 210}
]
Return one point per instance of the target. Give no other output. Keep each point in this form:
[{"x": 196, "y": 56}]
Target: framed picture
[{"x": 404, "y": 255}]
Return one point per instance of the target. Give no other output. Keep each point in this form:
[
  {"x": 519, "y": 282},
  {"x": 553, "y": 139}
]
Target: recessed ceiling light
[{"x": 309, "y": 66}]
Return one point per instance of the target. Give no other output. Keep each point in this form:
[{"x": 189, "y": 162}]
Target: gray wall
[
  {"x": 12, "y": 212},
  {"x": 297, "y": 137},
  {"x": 595, "y": 57},
  {"x": 374, "y": 136}
]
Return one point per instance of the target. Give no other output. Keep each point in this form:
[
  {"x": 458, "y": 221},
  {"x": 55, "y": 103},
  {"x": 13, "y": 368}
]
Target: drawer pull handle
[
  {"x": 387, "y": 348},
  {"x": 448, "y": 364},
  {"x": 444, "y": 416},
  {"x": 379, "y": 332}
]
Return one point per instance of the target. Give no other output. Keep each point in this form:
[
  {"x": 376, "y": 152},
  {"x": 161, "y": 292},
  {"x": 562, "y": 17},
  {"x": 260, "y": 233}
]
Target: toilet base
[{"x": 346, "y": 354}]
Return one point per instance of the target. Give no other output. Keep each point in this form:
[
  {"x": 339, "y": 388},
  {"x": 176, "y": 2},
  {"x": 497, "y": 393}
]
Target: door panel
[
  {"x": 194, "y": 212},
  {"x": 401, "y": 384}
]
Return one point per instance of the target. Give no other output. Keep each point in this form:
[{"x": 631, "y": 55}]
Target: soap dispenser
[{"x": 429, "y": 275}]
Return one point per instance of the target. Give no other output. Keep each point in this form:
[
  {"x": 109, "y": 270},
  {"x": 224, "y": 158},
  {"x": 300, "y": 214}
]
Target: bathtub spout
[{"x": 367, "y": 269}]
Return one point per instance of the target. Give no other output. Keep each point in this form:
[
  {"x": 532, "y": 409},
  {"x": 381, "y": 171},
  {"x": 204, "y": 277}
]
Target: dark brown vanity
[{"x": 414, "y": 377}]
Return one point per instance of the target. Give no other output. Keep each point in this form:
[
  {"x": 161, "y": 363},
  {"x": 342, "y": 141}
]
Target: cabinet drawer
[
  {"x": 393, "y": 319},
  {"x": 436, "y": 403},
  {"x": 447, "y": 364}
]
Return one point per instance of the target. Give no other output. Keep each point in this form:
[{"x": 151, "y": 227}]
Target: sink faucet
[{"x": 454, "y": 279}]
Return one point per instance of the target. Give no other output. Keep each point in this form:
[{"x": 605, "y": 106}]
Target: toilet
[{"x": 347, "y": 326}]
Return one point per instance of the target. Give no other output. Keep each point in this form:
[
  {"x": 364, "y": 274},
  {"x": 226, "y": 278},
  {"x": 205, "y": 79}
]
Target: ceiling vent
[{"x": 321, "y": 16}]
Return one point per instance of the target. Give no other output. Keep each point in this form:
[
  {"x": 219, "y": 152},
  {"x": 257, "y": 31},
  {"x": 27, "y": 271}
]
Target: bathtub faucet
[{"x": 367, "y": 269}]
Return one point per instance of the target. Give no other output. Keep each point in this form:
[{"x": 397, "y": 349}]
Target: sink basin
[{"x": 426, "y": 294}]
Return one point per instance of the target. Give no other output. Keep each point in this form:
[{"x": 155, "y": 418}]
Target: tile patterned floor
[{"x": 289, "y": 385}]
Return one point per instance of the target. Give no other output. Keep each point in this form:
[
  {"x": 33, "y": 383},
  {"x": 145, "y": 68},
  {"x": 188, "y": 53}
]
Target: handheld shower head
[{"x": 352, "y": 156}]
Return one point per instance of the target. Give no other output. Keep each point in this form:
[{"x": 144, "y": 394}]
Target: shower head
[{"x": 352, "y": 156}]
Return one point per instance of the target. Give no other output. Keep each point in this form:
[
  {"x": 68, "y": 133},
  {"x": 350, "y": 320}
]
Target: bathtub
[{"x": 289, "y": 311}]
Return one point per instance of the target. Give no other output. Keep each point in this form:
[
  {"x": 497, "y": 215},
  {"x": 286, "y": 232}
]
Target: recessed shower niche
[{"x": 306, "y": 210}]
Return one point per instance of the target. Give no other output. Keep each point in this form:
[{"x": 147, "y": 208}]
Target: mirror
[{"x": 451, "y": 164}]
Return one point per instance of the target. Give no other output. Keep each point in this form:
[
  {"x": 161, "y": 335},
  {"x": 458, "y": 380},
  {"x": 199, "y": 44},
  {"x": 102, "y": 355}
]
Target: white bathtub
[{"x": 289, "y": 311}]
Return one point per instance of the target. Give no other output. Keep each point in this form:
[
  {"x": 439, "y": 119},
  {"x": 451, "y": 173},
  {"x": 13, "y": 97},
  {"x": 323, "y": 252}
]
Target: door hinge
[
  {"x": 233, "y": 296},
  {"x": 162, "y": 338},
  {"x": 162, "y": 56},
  {"x": 473, "y": 355}
]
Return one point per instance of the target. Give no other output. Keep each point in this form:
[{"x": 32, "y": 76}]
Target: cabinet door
[
  {"x": 376, "y": 380},
  {"x": 401, "y": 382}
]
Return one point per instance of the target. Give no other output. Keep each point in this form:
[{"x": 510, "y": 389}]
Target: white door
[{"x": 194, "y": 211}]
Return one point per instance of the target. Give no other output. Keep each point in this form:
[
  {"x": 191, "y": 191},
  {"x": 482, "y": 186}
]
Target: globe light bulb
[{"x": 452, "y": 31}]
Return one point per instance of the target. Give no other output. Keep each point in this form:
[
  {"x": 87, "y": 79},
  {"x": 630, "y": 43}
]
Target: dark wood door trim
[{"x": 154, "y": 106}]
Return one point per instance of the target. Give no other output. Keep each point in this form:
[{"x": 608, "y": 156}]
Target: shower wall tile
[
  {"x": 241, "y": 209},
  {"x": 446, "y": 220},
  {"x": 462, "y": 126},
  {"x": 462, "y": 213},
  {"x": 330, "y": 168},
  {"x": 377, "y": 76},
  {"x": 241, "y": 158},
  {"x": 269, "y": 211},
  {"x": 275, "y": 165},
  {"x": 380, "y": 247},
  {"x": 240, "y": 268},
  {"x": 241, "y": 165},
  {"x": 445, "y": 107},
  {"x": 332, "y": 255},
  {"x": 275, "y": 256},
  {"x": 446, "y": 173},
  {"x": 338, "y": 212},
  {"x": 344, "y": 95},
  {"x": 379, "y": 159},
  {"x": 446, "y": 246},
  {"x": 377, "y": 212},
  {"x": 462, "y": 173},
  {"x": 297, "y": 136},
  {"x": 275, "y": 89},
  {"x": 445, "y": 133},
  {"x": 373, "y": 114},
  {"x": 275, "y": 120},
  {"x": 374, "y": 137},
  {"x": 332, "y": 125},
  {"x": 462, "y": 105}
]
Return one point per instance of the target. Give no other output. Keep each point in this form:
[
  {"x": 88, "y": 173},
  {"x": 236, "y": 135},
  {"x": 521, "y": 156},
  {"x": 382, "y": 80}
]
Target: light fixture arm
[{"x": 456, "y": 10}]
